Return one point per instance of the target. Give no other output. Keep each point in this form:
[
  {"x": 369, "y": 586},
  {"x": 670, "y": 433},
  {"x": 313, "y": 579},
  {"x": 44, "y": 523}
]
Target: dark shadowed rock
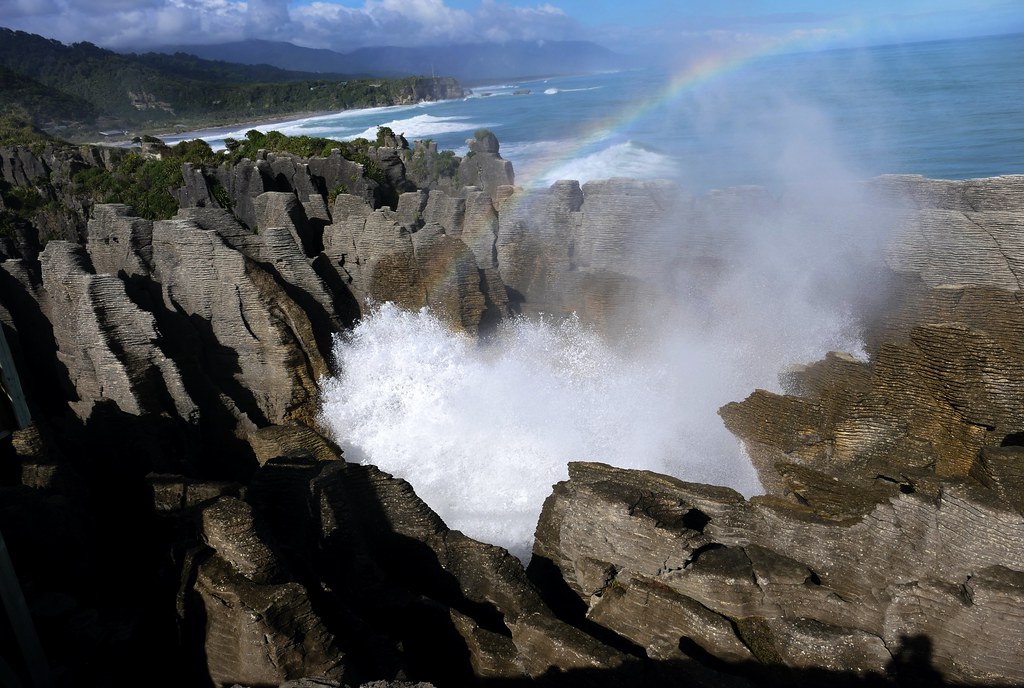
[
  {"x": 172, "y": 368},
  {"x": 262, "y": 634},
  {"x": 106, "y": 342},
  {"x": 792, "y": 587}
]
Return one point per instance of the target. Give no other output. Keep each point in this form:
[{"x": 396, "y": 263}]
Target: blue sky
[{"x": 626, "y": 25}]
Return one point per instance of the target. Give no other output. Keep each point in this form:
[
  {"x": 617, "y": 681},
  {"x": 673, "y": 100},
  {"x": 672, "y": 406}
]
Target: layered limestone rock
[
  {"x": 119, "y": 243},
  {"x": 596, "y": 251},
  {"x": 261, "y": 342},
  {"x": 484, "y": 167},
  {"x": 107, "y": 344},
  {"x": 380, "y": 259},
  {"x": 774, "y": 582},
  {"x": 916, "y": 446},
  {"x": 379, "y": 540},
  {"x": 172, "y": 367},
  {"x": 261, "y": 628}
]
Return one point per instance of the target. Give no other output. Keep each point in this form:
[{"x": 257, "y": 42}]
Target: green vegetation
[
  {"x": 307, "y": 147},
  {"x": 447, "y": 165},
  {"x": 147, "y": 177},
  {"x": 275, "y": 141},
  {"x": 383, "y": 134},
  {"x": 334, "y": 193},
  {"x": 143, "y": 184},
  {"x": 146, "y": 184},
  {"x": 83, "y": 85},
  {"x": 22, "y": 205},
  {"x": 17, "y": 128},
  {"x": 41, "y": 105}
]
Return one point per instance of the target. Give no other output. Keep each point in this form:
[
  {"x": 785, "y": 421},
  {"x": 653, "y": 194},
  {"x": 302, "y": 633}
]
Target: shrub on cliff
[
  {"x": 145, "y": 183},
  {"x": 17, "y": 129}
]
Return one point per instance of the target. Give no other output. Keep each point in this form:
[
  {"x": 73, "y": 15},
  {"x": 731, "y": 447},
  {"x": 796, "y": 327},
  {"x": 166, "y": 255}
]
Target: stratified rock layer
[
  {"x": 196, "y": 520},
  {"x": 772, "y": 581}
]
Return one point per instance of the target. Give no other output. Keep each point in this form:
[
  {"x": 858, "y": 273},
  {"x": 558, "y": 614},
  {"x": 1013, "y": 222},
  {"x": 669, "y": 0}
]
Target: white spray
[{"x": 483, "y": 430}]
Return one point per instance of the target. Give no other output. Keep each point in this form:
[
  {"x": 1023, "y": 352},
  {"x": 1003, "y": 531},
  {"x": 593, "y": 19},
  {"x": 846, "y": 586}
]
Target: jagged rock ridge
[{"x": 240, "y": 548}]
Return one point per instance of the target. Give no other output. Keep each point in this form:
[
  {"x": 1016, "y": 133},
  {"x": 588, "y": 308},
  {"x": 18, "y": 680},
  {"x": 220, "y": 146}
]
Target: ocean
[
  {"x": 949, "y": 109},
  {"x": 483, "y": 430}
]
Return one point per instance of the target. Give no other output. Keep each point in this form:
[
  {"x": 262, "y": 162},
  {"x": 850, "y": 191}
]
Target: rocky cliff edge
[{"x": 175, "y": 507}]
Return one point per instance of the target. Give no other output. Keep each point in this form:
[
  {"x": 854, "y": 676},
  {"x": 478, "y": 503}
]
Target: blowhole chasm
[{"x": 483, "y": 430}]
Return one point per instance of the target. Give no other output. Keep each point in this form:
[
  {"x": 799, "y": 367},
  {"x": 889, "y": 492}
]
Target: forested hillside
[{"x": 87, "y": 87}]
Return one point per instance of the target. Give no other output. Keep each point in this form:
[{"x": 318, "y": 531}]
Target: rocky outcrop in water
[{"x": 174, "y": 505}]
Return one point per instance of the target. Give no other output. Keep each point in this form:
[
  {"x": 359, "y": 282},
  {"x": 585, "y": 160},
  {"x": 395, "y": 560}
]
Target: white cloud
[
  {"x": 425, "y": 22},
  {"x": 500, "y": 22},
  {"x": 98, "y": 6},
  {"x": 324, "y": 24},
  {"x": 14, "y": 9},
  {"x": 266, "y": 17}
]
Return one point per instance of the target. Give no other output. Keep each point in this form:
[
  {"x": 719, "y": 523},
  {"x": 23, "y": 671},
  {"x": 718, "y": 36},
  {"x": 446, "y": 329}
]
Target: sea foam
[
  {"x": 483, "y": 430},
  {"x": 616, "y": 160},
  {"x": 424, "y": 126}
]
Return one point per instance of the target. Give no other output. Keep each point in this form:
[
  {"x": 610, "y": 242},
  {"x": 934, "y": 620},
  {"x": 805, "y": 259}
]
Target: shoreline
[
  {"x": 220, "y": 127},
  {"x": 251, "y": 123}
]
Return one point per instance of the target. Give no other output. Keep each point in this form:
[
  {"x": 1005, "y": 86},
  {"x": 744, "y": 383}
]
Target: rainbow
[{"x": 695, "y": 74}]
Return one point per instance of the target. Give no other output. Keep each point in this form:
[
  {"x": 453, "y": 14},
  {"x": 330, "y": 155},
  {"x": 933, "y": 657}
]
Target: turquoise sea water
[{"x": 945, "y": 109}]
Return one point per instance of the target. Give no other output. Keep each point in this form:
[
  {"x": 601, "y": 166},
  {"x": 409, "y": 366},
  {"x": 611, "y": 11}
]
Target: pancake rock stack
[{"x": 174, "y": 506}]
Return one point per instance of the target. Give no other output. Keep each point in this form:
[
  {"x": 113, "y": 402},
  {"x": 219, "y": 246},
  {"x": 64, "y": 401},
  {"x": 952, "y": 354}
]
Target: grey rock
[
  {"x": 196, "y": 190},
  {"x": 479, "y": 229},
  {"x": 375, "y": 259},
  {"x": 450, "y": 277},
  {"x": 20, "y": 167},
  {"x": 343, "y": 176},
  {"x": 262, "y": 634},
  {"x": 975, "y": 195},
  {"x": 119, "y": 243},
  {"x": 829, "y": 601},
  {"x": 262, "y": 338},
  {"x": 106, "y": 342},
  {"x": 484, "y": 167},
  {"x": 410, "y": 208},
  {"x": 380, "y": 260}
]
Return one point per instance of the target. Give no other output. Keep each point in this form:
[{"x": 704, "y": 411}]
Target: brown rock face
[
  {"x": 892, "y": 482},
  {"x": 196, "y": 521},
  {"x": 773, "y": 581},
  {"x": 381, "y": 260}
]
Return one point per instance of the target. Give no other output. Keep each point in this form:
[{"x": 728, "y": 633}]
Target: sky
[{"x": 634, "y": 26}]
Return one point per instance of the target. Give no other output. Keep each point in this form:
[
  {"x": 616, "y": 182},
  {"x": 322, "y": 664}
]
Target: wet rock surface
[{"x": 174, "y": 505}]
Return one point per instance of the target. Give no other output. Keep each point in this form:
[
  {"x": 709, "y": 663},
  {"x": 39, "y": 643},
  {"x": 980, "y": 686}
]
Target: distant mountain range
[{"x": 468, "y": 62}]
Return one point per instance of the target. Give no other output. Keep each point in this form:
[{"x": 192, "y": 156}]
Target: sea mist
[{"x": 482, "y": 430}]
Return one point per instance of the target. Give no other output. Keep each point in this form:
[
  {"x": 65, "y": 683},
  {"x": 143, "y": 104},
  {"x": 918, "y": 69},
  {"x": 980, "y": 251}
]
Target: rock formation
[{"x": 175, "y": 506}]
